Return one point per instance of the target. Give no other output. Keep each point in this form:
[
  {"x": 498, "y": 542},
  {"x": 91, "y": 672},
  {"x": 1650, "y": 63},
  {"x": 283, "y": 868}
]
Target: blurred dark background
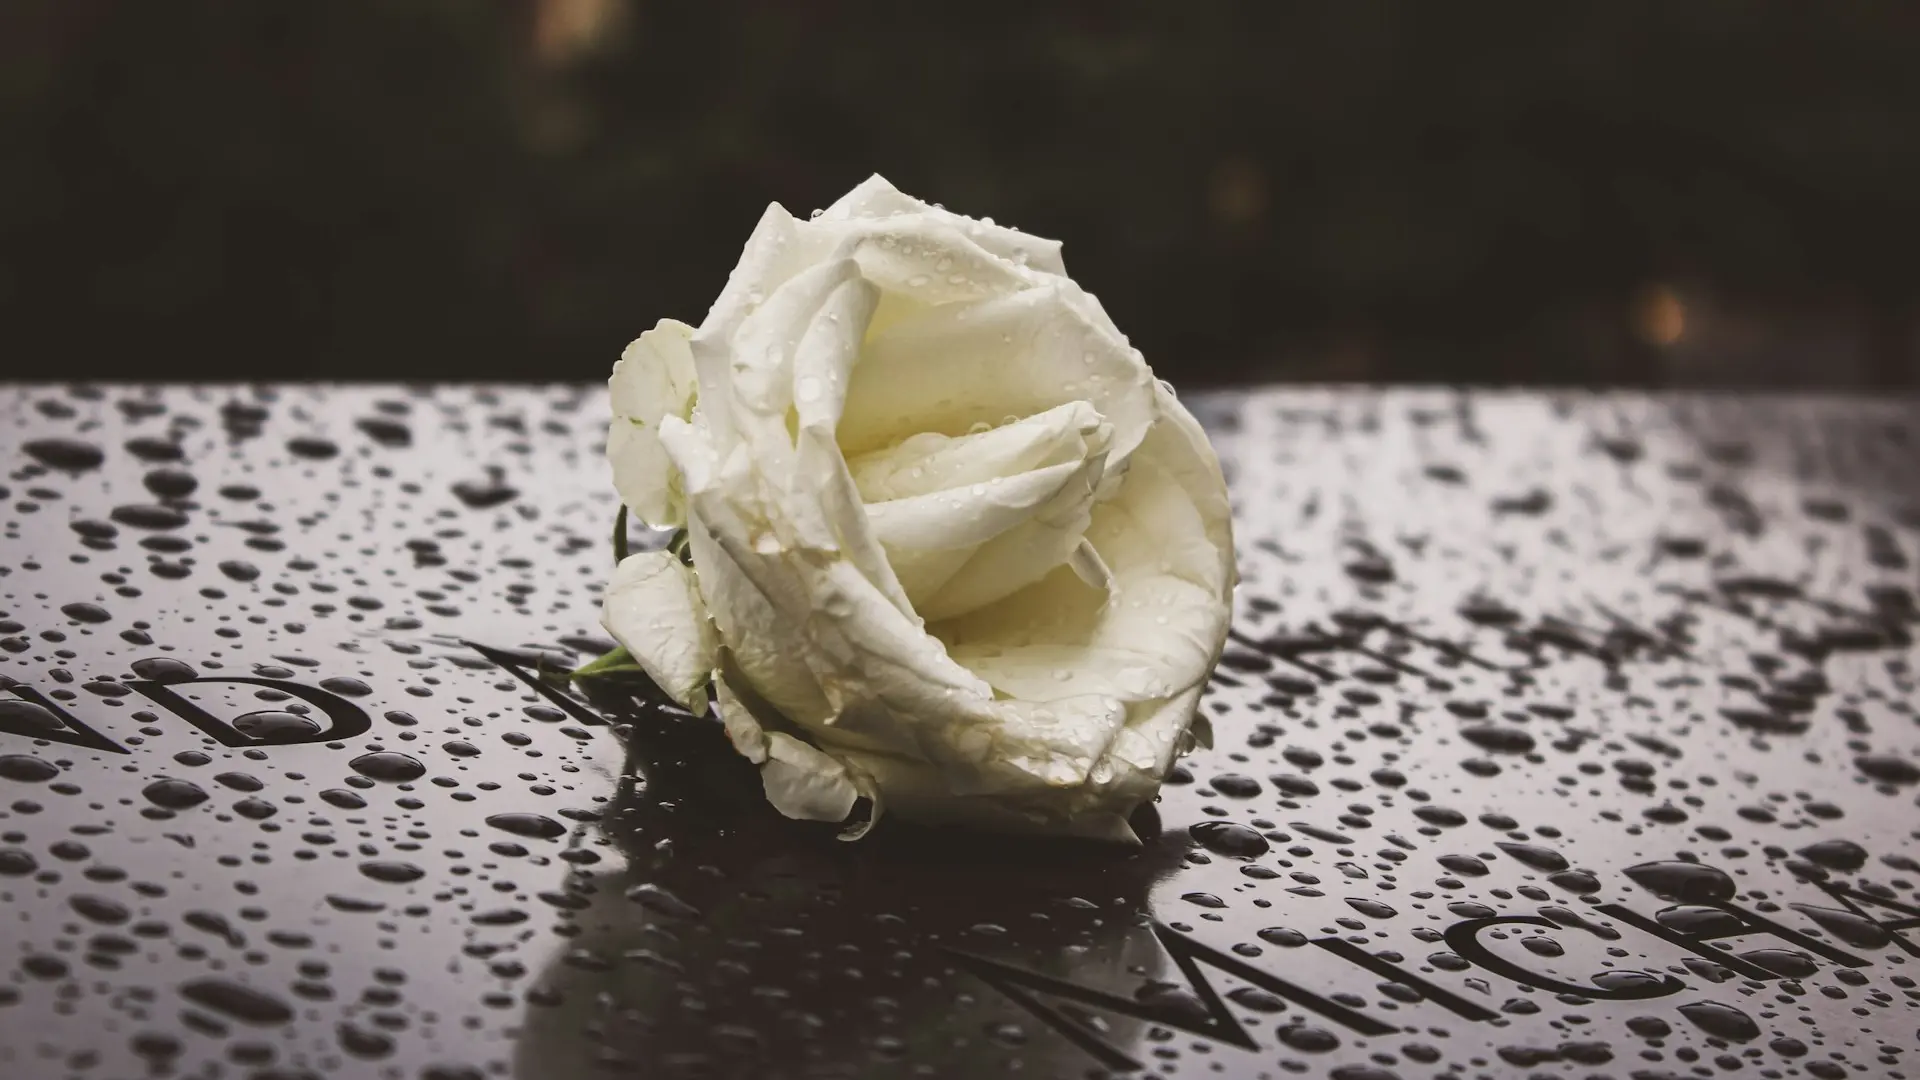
[{"x": 1707, "y": 192}]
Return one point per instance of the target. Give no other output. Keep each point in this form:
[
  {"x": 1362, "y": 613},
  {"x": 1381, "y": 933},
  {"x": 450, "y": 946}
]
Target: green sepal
[{"x": 615, "y": 663}]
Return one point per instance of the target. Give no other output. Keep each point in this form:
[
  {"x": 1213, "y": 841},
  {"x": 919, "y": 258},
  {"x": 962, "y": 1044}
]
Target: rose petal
[
  {"x": 653, "y": 380},
  {"x": 926, "y": 261},
  {"x": 946, "y": 369},
  {"x": 1024, "y": 554},
  {"x": 874, "y": 197},
  {"x": 966, "y": 517},
  {"x": 743, "y": 730},
  {"x": 747, "y": 619},
  {"x": 1166, "y": 539},
  {"x": 1089, "y": 567},
  {"x": 930, "y": 462},
  {"x": 653, "y": 608},
  {"x": 805, "y": 783}
]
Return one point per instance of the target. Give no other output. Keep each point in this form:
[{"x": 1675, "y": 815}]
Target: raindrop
[
  {"x": 1504, "y": 740},
  {"x": 174, "y": 794},
  {"x": 1632, "y": 983},
  {"x": 483, "y": 495},
  {"x": 1306, "y": 1038},
  {"x": 148, "y": 448},
  {"x": 387, "y": 432},
  {"x": 388, "y": 765},
  {"x": 1228, "y": 838},
  {"x": 147, "y": 516},
  {"x": 1683, "y": 881},
  {"x": 534, "y": 826},
  {"x": 1440, "y": 815},
  {"x": 100, "y": 909},
  {"x": 27, "y": 770},
  {"x": 393, "y": 873},
  {"x": 70, "y": 454},
  {"x": 362, "y": 1043},
  {"x": 239, "y": 1002},
  {"x": 1723, "y": 1021},
  {"x": 1236, "y": 786},
  {"x": 1252, "y": 997},
  {"x": 1888, "y": 769},
  {"x": 275, "y": 725},
  {"x": 1836, "y": 854},
  {"x": 86, "y": 613},
  {"x": 1533, "y": 855},
  {"x": 171, "y": 483},
  {"x": 1298, "y": 787},
  {"x": 1575, "y": 881},
  {"x": 163, "y": 669},
  {"x": 312, "y": 447}
]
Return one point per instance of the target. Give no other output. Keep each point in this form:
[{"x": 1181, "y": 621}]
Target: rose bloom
[{"x": 954, "y": 549}]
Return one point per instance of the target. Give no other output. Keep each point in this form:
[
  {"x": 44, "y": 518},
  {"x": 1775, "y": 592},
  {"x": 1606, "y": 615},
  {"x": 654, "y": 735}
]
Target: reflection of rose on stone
[
  {"x": 735, "y": 942},
  {"x": 954, "y": 549}
]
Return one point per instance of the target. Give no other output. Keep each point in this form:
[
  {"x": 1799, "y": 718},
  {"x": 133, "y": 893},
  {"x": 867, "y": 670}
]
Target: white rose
[{"x": 954, "y": 549}]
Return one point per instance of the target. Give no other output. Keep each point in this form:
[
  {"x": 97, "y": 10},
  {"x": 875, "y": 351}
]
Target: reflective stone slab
[{"x": 1557, "y": 736}]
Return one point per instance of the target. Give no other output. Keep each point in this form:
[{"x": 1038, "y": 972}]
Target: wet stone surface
[{"x": 1557, "y": 736}]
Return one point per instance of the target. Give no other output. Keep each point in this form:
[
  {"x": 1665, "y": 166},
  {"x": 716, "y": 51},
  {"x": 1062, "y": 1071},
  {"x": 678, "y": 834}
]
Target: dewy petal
[
  {"x": 762, "y": 638},
  {"x": 924, "y": 260},
  {"x": 980, "y": 520},
  {"x": 1089, "y": 567},
  {"x": 653, "y": 380},
  {"x": 758, "y": 633},
  {"x": 929, "y": 462},
  {"x": 779, "y": 248},
  {"x": 874, "y": 197},
  {"x": 1025, "y": 553},
  {"x": 1151, "y": 740},
  {"x": 823, "y": 500},
  {"x": 653, "y": 608},
  {"x": 790, "y": 364},
  {"x": 1158, "y": 634},
  {"x": 805, "y": 783},
  {"x": 743, "y": 730},
  {"x": 1167, "y": 539},
  {"x": 947, "y": 369},
  {"x": 964, "y": 517},
  {"x": 764, "y": 346}
]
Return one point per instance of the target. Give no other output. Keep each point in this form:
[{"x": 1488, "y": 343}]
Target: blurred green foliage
[{"x": 435, "y": 189}]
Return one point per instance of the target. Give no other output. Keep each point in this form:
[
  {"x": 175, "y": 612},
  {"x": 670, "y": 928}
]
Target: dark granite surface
[{"x": 1559, "y": 735}]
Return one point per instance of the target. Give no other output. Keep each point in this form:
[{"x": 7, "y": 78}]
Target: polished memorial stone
[{"x": 1557, "y": 735}]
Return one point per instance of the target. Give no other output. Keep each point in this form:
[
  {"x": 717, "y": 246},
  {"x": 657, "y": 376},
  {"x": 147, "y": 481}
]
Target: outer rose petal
[
  {"x": 876, "y": 198},
  {"x": 808, "y": 784},
  {"x": 804, "y": 783},
  {"x": 743, "y": 730},
  {"x": 653, "y": 380},
  {"x": 653, "y": 608}
]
